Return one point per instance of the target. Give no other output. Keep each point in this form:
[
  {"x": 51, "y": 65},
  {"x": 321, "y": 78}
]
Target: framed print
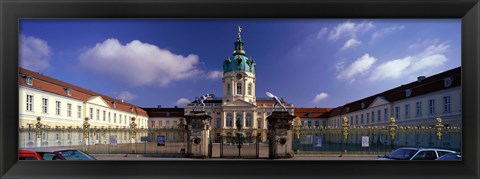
[{"x": 313, "y": 89}]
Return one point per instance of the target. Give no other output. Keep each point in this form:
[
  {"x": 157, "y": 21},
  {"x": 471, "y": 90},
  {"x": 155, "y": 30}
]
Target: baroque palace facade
[{"x": 61, "y": 106}]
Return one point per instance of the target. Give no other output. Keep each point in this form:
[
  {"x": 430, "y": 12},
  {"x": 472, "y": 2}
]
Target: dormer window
[
  {"x": 69, "y": 91},
  {"x": 447, "y": 82},
  {"x": 309, "y": 114},
  {"x": 363, "y": 105},
  {"x": 408, "y": 92},
  {"x": 29, "y": 80},
  {"x": 114, "y": 104},
  {"x": 348, "y": 109}
]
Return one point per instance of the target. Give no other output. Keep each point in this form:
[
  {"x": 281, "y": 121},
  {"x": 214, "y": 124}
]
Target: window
[
  {"x": 446, "y": 104},
  {"x": 217, "y": 123},
  {"x": 373, "y": 116},
  {"x": 407, "y": 111},
  {"x": 125, "y": 119},
  {"x": 363, "y": 105},
  {"x": 29, "y": 80},
  {"x": 229, "y": 120},
  {"x": 418, "y": 109},
  {"x": 239, "y": 117},
  {"x": 98, "y": 114},
  {"x": 79, "y": 111},
  {"x": 368, "y": 117},
  {"x": 152, "y": 124},
  {"x": 104, "y": 115},
  {"x": 44, "y": 105},
  {"x": 108, "y": 116},
  {"x": 57, "y": 107},
  {"x": 120, "y": 118},
  {"x": 91, "y": 113},
  {"x": 168, "y": 114},
  {"x": 309, "y": 123},
  {"x": 361, "y": 119},
  {"x": 229, "y": 90},
  {"x": 259, "y": 123},
  {"x": 69, "y": 91},
  {"x": 356, "y": 119},
  {"x": 160, "y": 123},
  {"x": 431, "y": 106},
  {"x": 397, "y": 112},
  {"x": 175, "y": 123},
  {"x": 249, "y": 120},
  {"x": 239, "y": 88},
  {"x": 385, "y": 114},
  {"x": 249, "y": 89},
  {"x": 447, "y": 82},
  {"x": 379, "y": 115},
  {"x": 168, "y": 124},
  {"x": 351, "y": 120},
  {"x": 317, "y": 123},
  {"x": 303, "y": 123},
  {"x": 29, "y": 103},
  {"x": 69, "y": 110},
  {"x": 268, "y": 113},
  {"x": 408, "y": 92},
  {"x": 114, "y": 117}
]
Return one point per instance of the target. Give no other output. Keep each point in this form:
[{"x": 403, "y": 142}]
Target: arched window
[
  {"x": 239, "y": 117},
  {"x": 259, "y": 123},
  {"x": 249, "y": 89},
  {"x": 229, "y": 120},
  {"x": 239, "y": 88},
  {"x": 217, "y": 123},
  {"x": 249, "y": 120},
  {"x": 229, "y": 89}
]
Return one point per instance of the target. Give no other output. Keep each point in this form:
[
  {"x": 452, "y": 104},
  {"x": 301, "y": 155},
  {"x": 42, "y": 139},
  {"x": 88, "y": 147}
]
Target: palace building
[
  {"x": 239, "y": 100},
  {"x": 60, "y": 105}
]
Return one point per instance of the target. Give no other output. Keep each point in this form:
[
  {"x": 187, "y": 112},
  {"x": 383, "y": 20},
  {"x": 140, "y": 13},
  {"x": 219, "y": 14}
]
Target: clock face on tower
[{"x": 239, "y": 76}]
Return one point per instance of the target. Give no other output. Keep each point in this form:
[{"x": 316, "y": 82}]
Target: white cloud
[
  {"x": 126, "y": 95},
  {"x": 322, "y": 33},
  {"x": 360, "y": 66},
  {"x": 34, "y": 53},
  {"x": 215, "y": 75},
  {"x": 139, "y": 63},
  {"x": 350, "y": 44},
  {"x": 349, "y": 29},
  {"x": 386, "y": 31},
  {"x": 428, "y": 59},
  {"x": 182, "y": 102},
  {"x": 320, "y": 97}
]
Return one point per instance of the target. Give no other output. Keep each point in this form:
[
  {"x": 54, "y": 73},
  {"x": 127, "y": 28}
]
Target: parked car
[
  {"x": 25, "y": 154},
  {"x": 451, "y": 156},
  {"x": 53, "y": 153},
  {"x": 415, "y": 154}
]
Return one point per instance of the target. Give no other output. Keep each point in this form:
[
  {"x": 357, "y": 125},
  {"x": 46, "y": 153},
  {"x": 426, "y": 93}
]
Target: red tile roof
[
  {"x": 427, "y": 85},
  {"x": 162, "y": 112},
  {"x": 46, "y": 83},
  {"x": 312, "y": 112}
]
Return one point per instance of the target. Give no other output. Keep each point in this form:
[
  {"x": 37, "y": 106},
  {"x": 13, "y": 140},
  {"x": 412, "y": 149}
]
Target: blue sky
[{"x": 308, "y": 62}]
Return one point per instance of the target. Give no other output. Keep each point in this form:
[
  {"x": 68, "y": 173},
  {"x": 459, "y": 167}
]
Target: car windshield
[
  {"x": 401, "y": 154},
  {"x": 75, "y": 155}
]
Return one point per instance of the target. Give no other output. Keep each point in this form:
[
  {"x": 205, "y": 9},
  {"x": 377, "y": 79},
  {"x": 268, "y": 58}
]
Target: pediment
[
  {"x": 378, "y": 102},
  {"x": 98, "y": 100},
  {"x": 239, "y": 103}
]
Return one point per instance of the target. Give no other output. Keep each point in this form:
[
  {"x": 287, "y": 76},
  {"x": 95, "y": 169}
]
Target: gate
[{"x": 238, "y": 147}]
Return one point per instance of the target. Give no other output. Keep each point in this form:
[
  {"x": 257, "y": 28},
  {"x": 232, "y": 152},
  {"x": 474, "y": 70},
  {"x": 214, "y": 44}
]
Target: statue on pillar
[
  {"x": 277, "y": 101},
  {"x": 200, "y": 101}
]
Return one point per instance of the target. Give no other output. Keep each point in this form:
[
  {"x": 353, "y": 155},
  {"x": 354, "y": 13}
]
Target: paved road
[{"x": 298, "y": 157}]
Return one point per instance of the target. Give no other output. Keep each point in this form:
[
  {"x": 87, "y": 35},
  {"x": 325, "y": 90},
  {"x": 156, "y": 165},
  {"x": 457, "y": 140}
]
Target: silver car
[{"x": 416, "y": 154}]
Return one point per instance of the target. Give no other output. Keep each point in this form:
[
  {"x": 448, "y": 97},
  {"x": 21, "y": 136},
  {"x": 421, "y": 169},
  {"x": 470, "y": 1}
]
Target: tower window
[
  {"x": 239, "y": 88},
  {"x": 229, "y": 89},
  {"x": 250, "y": 89}
]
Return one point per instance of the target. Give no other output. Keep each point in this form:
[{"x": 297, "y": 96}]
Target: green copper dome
[{"x": 239, "y": 62}]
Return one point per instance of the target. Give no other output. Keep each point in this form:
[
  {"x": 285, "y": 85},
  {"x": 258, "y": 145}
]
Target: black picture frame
[{"x": 12, "y": 11}]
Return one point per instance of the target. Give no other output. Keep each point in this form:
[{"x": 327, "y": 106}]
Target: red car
[
  {"x": 55, "y": 153},
  {"x": 24, "y": 154}
]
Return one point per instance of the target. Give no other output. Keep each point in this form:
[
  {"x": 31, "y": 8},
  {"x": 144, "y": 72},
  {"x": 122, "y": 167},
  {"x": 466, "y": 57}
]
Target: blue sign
[
  {"x": 113, "y": 139},
  {"x": 160, "y": 140},
  {"x": 145, "y": 139}
]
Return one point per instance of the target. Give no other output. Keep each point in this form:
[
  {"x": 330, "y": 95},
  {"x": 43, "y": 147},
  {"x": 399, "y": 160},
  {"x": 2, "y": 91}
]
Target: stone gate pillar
[
  {"x": 198, "y": 132},
  {"x": 280, "y": 138}
]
